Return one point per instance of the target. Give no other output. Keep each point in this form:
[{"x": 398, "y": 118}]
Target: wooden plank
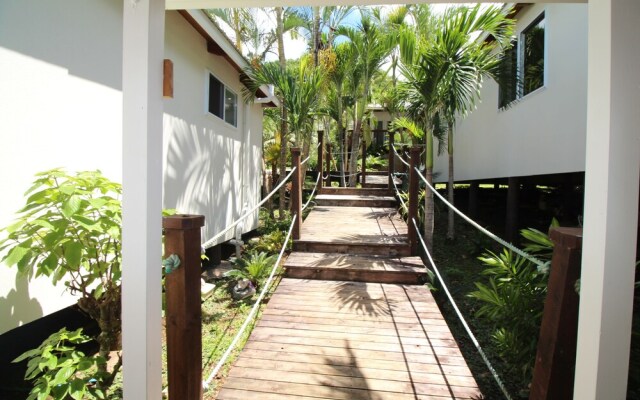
[{"x": 346, "y": 340}]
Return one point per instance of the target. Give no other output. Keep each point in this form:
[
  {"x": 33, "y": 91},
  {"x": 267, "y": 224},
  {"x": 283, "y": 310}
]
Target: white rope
[
  {"x": 498, "y": 239},
  {"x": 312, "y": 193},
  {"x": 462, "y": 320},
  {"x": 306, "y": 159},
  {"x": 205, "y": 384},
  {"x": 404, "y": 205},
  {"x": 400, "y": 157},
  {"x": 211, "y": 242}
]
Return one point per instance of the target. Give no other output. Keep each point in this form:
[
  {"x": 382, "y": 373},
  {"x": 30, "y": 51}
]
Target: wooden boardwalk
[
  {"x": 351, "y": 320},
  {"x": 346, "y": 340}
]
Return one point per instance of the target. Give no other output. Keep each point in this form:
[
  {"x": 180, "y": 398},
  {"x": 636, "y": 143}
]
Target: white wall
[
  {"x": 60, "y": 106},
  {"x": 204, "y": 163},
  {"x": 544, "y": 132}
]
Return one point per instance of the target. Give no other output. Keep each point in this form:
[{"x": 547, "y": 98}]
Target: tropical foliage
[
  {"x": 60, "y": 371},
  {"x": 254, "y": 266},
  {"x": 512, "y": 301},
  {"x": 70, "y": 231}
]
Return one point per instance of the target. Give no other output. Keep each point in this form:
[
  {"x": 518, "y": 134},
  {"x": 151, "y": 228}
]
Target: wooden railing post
[
  {"x": 391, "y": 160},
  {"x": 553, "y": 374},
  {"x": 296, "y": 192},
  {"x": 414, "y": 185},
  {"x": 327, "y": 181},
  {"x": 183, "y": 309},
  {"x": 320, "y": 158},
  {"x": 364, "y": 162}
]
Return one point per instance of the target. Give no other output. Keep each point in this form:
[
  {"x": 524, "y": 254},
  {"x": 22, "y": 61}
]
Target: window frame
[
  {"x": 519, "y": 40},
  {"x": 521, "y": 55},
  {"x": 224, "y": 88}
]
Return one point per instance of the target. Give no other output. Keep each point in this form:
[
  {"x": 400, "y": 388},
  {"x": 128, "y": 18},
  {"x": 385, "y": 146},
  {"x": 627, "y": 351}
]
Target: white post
[
  {"x": 143, "y": 49},
  {"x": 611, "y": 200}
]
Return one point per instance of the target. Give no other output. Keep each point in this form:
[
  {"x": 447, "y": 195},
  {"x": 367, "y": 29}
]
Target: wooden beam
[
  {"x": 183, "y": 311},
  {"x": 296, "y": 192},
  {"x": 556, "y": 353}
]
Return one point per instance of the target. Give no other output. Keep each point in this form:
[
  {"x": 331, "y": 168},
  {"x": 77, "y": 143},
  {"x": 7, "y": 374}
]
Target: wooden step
[
  {"x": 354, "y": 230},
  {"x": 356, "y": 268},
  {"x": 372, "y": 173},
  {"x": 352, "y": 200},
  {"x": 379, "y": 181},
  {"x": 381, "y": 249},
  {"x": 357, "y": 191}
]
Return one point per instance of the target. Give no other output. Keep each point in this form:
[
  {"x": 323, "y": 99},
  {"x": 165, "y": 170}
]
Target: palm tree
[
  {"x": 371, "y": 46},
  {"x": 470, "y": 61},
  {"x": 444, "y": 76},
  {"x": 298, "y": 92},
  {"x": 241, "y": 20}
]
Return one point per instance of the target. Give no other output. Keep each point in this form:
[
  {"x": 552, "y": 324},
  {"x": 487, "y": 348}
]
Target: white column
[
  {"x": 143, "y": 49},
  {"x": 611, "y": 200}
]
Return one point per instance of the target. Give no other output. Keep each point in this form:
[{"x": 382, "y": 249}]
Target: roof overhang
[
  {"x": 202, "y": 4},
  {"x": 219, "y": 44}
]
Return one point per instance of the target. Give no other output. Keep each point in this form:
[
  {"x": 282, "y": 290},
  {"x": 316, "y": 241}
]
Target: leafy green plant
[
  {"x": 69, "y": 230},
  {"x": 255, "y": 267},
  {"x": 513, "y": 301},
  {"x": 404, "y": 212},
  {"x": 376, "y": 162},
  {"x": 60, "y": 371}
]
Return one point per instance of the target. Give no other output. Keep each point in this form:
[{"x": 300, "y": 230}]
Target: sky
[{"x": 294, "y": 48}]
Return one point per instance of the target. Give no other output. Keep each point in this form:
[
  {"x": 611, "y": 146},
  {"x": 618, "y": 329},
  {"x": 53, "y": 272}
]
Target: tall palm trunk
[
  {"x": 283, "y": 113},
  {"x": 353, "y": 156},
  {"x": 451, "y": 226},
  {"x": 428, "y": 198}
]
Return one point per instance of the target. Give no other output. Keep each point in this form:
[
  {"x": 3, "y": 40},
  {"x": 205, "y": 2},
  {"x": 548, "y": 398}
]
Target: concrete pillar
[
  {"x": 143, "y": 59},
  {"x": 611, "y": 200}
]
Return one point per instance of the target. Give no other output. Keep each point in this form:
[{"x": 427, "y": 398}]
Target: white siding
[
  {"x": 61, "y": 106},
  {"x": 544, "y": 132},
  {"x": 203, "y": 169}
]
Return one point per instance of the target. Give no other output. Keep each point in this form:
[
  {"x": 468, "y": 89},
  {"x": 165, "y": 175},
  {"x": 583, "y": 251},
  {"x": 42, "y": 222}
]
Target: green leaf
[
  {"x": 77, "y": 389},
  {"x": 73, "y": 254},
  {"x": 71, "y": 206},
  {"x": 26, "y": 354},
  {"x": 85, "y": 364},
  {"x": 63, "y": 375},
  {"x": 15, "y": 255}
]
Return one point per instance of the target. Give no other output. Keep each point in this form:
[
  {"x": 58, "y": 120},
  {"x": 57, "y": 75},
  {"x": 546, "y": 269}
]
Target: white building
[
  {"x": 541, "y": 132},
  {"x": 61, "y": 105}
]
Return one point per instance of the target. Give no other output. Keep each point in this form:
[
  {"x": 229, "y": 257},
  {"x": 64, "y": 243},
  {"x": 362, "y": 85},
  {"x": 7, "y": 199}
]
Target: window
[
  {"x": 533, "y": 56},
  {"x": 522, "y": 67},
  {"x": 223, "y": 103}
]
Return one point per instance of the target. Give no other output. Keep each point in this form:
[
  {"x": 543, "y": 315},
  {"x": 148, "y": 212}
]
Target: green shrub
[
  {"x": 376, "y": 162},
  {"x": 70, "y": 231},
  {"x": 254, "y": 266},
  {"x": 513, "y": 301},
  {"x": 60, "y": 371}
]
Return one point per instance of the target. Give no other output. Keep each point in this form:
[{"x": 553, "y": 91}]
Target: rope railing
[
  {"x": 252, "y": 313},
  {"x": 211, "y": 242},
  {"x": 312, "y": 193},
  {"x": 404, "y": 205},
  {"x": 540, "y": 264},
  {"x": 460, "y": 316},
  {"x": 399, "y": 156}
]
